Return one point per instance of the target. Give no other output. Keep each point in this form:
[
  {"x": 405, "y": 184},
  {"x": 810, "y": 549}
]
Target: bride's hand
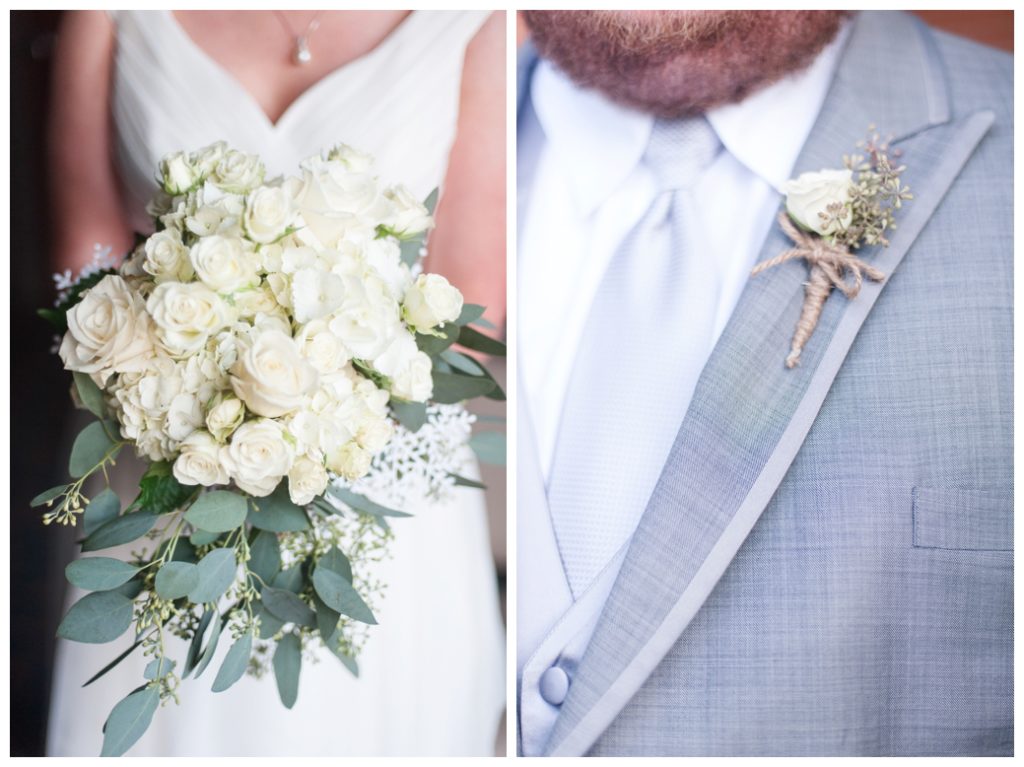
[
  {"x": 83, "y": 187},
  {"x": 468, "y": 245}
]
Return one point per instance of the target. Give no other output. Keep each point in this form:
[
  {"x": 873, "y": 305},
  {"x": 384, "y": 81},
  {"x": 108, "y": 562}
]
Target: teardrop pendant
[{"x": 302, "y": 55}]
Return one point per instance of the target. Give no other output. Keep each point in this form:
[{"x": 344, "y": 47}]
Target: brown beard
[{"x": 676, "y": 63}]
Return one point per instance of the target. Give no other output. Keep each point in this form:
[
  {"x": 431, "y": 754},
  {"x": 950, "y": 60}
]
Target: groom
[{"x": 720, "y": 555}]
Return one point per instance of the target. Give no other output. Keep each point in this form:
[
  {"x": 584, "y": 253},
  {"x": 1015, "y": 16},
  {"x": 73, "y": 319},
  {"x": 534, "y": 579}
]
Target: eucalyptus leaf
[
  {"x": 130, "y": 589},
  {"x": 104, "y": 507},
  {"x": 461, "y": 481},
  {"x": 287, "y": 665},
  {"x": 364, "y": 504},
  {"x": 470, "y": 313},
  {"x": 433, "y": 345},
  {"x": 412, "y": 415},
  {"x": 409, "y": 250},
  {"x": 430, "y": 203},
  {"x": 217, "y": 572},
  {"x": 489, "y": 447},
  {"x": 450, "y": 388},
  {"x": 265, "y": 556},
  {"x": 90, "y": 448},
  {"x": 99, "y": 573},
  {"x": 113, "y": 663},
  {"x": 338, "y": 594},
  {"x": 176, "y": 579},
  {"x": 123, "y": 529},
  {"x": 211, "y": 646},
  {"x": 192, "y": 657},
  {"x": 158, "y": 667},
  {"x": 288, "y": 607},
  {"x": 290, "y": 579},
  {"x": 90, "y": 395},
  {"x": 129, "y": 720},
  {"x": 277, "y": 513},
  {"x": 203, "y": 538},
  {"x": 235, "y": 663},
  {"x": 48, "y": 495},
  {"x": 336, "y": 562},
  {"x": 218, "y": 511},
  {"x": 97, "y": 618},
  {"x": 461, "y": 362},
  {"x": 269, "y": 624},
  {"x": 477, "y": 341},
  {"x": 347, "y": 660},
  {"x": 326, "y": 620}
]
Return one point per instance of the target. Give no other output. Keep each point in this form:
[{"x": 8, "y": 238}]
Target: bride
[{"x": 424, "y": 93}]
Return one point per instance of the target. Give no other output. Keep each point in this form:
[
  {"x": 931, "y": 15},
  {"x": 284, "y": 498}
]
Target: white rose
[
  {"x": 271, "y": 377},
  {"x": 321, "y": 347},
  {"x": 408, "y": 216},
  {"x": 430, "y": 302},
  {"x": 306, "y": 480},
  {"x": 238, "y": 172},
  {"x": 316, "y": 294},
  {"x": 224, "y": 264},
  {"x": 375, "y": 433},
  {"x": 334, "y": 201},
  {"x": 258, "y": 456},
  {"x": 268, "y": 214},
  {"x": 186, "y": 314},
  {"x": 224, "y": 417},
  {"x": 206, "y": 159},
  {"x": 408, "y": 368},
  {"x": 349, "y": 460},
  {"x": 178, "y": 174},
  {"x": 201, "y": 461},
  {"x": 167, "y": 257},
  {"x": 108, "y": 331},
  {"x": 255, "y": 301},
  {"x": 353, "y": 159},
  {"x": 809, "y": 195},
  {"x": 368, "y": 318}
]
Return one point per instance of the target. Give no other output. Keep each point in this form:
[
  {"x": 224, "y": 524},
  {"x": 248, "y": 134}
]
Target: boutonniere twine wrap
[{"x": 829, "y": 215}]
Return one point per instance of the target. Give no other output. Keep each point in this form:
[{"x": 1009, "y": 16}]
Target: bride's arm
[
  {"x": 83, "y": 187},
  {"x": 468, "y": 245}
]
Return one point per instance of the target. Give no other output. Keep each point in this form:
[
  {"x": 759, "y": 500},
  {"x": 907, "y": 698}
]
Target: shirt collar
[{"x": 598, "y": 143}]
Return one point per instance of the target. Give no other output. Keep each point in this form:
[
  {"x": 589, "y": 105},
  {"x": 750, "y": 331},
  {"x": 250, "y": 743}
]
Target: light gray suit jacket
[{"x": 825, "y": 565}]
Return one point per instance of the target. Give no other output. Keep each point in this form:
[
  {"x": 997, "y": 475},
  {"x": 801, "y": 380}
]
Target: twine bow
[{"x": 829, "y": 266}]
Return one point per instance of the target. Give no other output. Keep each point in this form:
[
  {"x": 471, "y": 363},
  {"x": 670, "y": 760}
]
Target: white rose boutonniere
[{"x": 830, "y": 214}]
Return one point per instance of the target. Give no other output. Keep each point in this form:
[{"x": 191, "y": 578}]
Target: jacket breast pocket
[{"x": 959, "y": 519}]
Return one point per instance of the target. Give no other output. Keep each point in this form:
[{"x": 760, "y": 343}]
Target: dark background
[{"x": 40, "y": 407}]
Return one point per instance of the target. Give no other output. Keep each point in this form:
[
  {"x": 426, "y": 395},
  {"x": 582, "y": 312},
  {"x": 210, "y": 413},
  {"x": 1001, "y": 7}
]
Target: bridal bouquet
[{"x": 273, "y": 354}]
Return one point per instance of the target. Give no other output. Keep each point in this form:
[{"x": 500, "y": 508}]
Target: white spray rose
[
  {"x": 268, "y": 214},
  {"x": 430, "y": 302},
  {"x": 270, "y": 376},
  {"x": 408, "y": 216},
  {"x": 258, "y": 456},
  {"x": 167, "y": 257},
  {"x": 321, "y": 347},
  {"x": 353, "y": 159},
  {"x": 408, "y": 368},
  {"x": 205, "y": 160},
  {"x": 177, "y": 173},
  {"x": 224, "y": 263},
  {"x": 108, "y": 331},
  {"x": 224, "y": 417},
  {"x": 306, "y": 480},
  {"x": 201, "y": 461},
  {"x": 238, "y": 172},
  {"x": 809, "y": 195},
  {"x": 186, "y": 315},
  {"x": 349, "y": 460}
]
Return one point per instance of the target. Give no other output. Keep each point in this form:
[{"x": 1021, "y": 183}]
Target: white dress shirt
[{"x": 582, "y": 189}]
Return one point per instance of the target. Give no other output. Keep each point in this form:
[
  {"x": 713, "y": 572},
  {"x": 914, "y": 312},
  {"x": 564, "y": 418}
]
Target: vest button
[{"x": 554, "y": 685}]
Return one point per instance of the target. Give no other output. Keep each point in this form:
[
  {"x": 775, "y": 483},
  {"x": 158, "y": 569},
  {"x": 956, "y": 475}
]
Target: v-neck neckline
[{"x": 278, "y": 125}]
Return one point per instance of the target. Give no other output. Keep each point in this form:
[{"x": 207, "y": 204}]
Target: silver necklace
[{"x": 300, "y": 53}]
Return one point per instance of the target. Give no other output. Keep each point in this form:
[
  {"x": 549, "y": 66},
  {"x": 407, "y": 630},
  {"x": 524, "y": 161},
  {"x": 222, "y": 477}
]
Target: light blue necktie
[{"x": 631, "y": 380}]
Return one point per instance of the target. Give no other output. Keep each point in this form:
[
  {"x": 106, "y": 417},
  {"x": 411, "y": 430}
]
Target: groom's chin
[{"x": 674, "y": 63}]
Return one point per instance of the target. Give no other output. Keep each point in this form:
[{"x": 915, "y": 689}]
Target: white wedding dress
[{"x": 432, "y": 673}]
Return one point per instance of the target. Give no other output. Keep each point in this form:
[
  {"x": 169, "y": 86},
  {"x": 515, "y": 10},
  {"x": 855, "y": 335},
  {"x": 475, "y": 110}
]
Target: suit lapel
[{"x": 749, "y": 414}]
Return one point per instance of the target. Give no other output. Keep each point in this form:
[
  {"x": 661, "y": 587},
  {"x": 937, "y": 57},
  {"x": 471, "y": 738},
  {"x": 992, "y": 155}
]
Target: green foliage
[
  {"x": 176, "y": 579},
  {"x": 489, "y": 447},
  {"x": 99, "y": 573},
  {"x": 90, "y": 395},
  {"x": 412, "y": 415},
  {"x": 92, "y": 447},
  {"x": 129, "y": 720},
  {"x": 216, "y": 572},
  {"x": 96, "y": 618},
  {"x": 235, "y": 663},
  {"x": 433, "y": 345},
  {"x": 277, "y": 513},
  {"x": 478, "y": 342},
  {"x": 287, "y": 665},
  {"x": 123, "y": 529},
  {"x": 287, "y": 607},
  {"x": 338, "y": 594},
  {"x": 101, "y": 509},
  {"x": 113, "y": 663},
  {"x": 160, "y": 492},
  {"x": 211, "y": 646},
  {"x": 450, "y": 388},
  {"x": 218, "y": 511},
  {"x": 265, "y": 556}
]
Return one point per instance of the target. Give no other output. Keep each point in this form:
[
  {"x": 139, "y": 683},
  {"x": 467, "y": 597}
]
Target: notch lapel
[{"x": 749, "y": 414}]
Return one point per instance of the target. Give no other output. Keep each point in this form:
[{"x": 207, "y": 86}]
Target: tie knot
[{"x": 679, "y": 150}]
